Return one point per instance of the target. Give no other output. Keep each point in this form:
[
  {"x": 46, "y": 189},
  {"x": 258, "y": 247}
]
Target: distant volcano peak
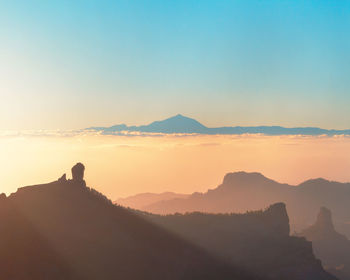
[
  {"x": 179, "y": 116},
  {"x": 177, "y": 124},
  {"x": 182, "y": 118},
  {"x": 182, "y": 124}
]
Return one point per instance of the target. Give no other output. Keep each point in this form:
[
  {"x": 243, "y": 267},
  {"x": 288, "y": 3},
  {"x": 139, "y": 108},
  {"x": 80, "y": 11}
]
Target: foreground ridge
[{"x": 65, "y": 230}]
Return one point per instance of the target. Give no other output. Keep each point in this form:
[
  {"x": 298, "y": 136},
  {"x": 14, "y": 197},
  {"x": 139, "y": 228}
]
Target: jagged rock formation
[
  {"x": 77, "y": 176},
  {"x": 258, "y": 241},
  {"x": 64, "y": 230},
  {"x": 241, "y": 192},
  {"x": 330, "y": 246},
  {"x": 323, "y": 228},
  {"x": 278, "y": 219}
]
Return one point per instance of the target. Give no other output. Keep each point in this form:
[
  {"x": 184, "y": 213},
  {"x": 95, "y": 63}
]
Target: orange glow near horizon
[{"x": 119, "y": 166}]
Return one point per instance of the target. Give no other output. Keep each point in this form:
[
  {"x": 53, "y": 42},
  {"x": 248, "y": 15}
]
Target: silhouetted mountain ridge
[
  {"x": 235, "y": 179},
  {"x": 258, "y": 241},
  {"x": 64, "y": 230},
  {"x": 242, "y": 191},
  {"x": 182, "y": 124},
  {"x": 144, "y": 199}
]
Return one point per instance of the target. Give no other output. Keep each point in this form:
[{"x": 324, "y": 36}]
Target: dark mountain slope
[
  {"x": 258, "y": 241},
  {"x": 24, "y": 251},
  {"x": 64, "y": 230}
]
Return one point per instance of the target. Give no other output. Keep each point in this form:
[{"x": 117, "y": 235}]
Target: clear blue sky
[{"x": 72, "y": 64}]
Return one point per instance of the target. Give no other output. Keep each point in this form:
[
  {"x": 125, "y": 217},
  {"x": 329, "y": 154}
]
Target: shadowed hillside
[
  {"x": 330, "y": 246},
  {"x": 64, "y": 230},
  {"x": 240, "y": 192},
  {"x": 258, "y": 241}
]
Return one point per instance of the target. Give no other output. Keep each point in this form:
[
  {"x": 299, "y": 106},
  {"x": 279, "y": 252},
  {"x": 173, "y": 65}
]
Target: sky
[
  {"x": 119, "y": 166},
  {"x": 74, "y": 64}
]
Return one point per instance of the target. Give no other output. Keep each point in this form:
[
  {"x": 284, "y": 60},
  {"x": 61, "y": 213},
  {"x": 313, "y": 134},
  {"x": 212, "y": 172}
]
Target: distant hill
[
  {"x": 330, "y": 246},
  {"x": 142, "y": 200},
  {"x": 241, "y": 192},
  {"x": 182, "y": 124},
  {"x": 258, "y": 241},
  {"x": 64, "y": 230}
]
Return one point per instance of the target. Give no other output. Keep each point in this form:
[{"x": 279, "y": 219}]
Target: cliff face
[
  {"x": 258, "y": 241},
  {"x": 278, "y": 219},
  {"x": 330, "y": 246},
  {"x": 64, "y": 230}
]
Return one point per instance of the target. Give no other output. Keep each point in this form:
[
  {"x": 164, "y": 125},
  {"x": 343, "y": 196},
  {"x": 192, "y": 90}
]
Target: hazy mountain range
[
  {"x": 142, "y": 200},
  {"x": 258, "y": 241},
  {"x": 182, "y": 124},
  {"x": 241, "y": 192},
  {"x": 65, "y": 230}
]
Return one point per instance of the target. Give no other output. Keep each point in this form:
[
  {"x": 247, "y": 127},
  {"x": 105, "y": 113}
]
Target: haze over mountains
[
  {"x": 182, "y": 124},
  {"x": 142, "y": 200},
  {"x": 258, "y": 241},
  {"x": 65, "y": 230},
  {"x": 241, "y": 192}
]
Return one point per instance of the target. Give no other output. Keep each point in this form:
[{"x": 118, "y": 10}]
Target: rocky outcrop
[
  {"x": 323, "y": 229},
  {"x": 258, "y": 241},
  {"x": 278, "y": 218},
  {"x": 331, "y": 247},
  {"x": 62, "y": 231},
  {"x": 324, "y": 220},
  {"x": 77, "y": 176},
  {"x": 242, "y": 191}
]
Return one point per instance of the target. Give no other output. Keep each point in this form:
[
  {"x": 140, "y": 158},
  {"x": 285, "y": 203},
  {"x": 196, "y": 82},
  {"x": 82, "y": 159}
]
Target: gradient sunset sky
[{"x": 73, "y": 64}]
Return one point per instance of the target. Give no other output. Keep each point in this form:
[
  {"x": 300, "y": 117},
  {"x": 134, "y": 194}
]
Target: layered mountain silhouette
[
  {"x": 241, "y": 192},
  {"x": 257, "y": 241},
  {"x": 330, "y": 246},
  {"x": 182, "y": 124},
  {"x": 144, "y": 199},
  {"x": 65, "y": 230}
]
